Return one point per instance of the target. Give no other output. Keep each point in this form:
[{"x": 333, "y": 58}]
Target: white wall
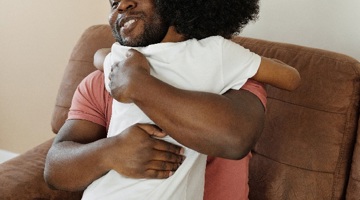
[
  {"x": 36, "y": 39},
  {"x": 326, "y": 24}
]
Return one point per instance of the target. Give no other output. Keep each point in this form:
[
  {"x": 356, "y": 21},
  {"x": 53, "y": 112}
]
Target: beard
[{"x": 153, "y": 33}]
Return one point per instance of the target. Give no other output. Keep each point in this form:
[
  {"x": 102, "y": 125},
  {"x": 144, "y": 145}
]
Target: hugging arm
[
  {"x": 278, "y": 74},
  {"x": 81, "y": 152},
  {"x": 218, "y": 125}
]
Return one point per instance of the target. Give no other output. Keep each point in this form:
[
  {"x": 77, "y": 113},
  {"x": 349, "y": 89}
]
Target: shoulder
[
  {"x": 93, "y": 88},
  {"x": 91, "y": 101},
  {"x": 96, "y": 77}
]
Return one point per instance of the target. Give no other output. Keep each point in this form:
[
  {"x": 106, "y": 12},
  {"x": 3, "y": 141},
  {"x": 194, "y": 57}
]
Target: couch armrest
[{"x": 22, "y": 177}]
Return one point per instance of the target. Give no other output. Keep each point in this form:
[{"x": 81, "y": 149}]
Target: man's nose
[{"x": 125, "y": 5}]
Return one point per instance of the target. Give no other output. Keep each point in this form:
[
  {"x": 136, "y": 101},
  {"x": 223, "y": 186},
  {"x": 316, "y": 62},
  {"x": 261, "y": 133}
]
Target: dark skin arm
[
  {"x": 231, "y": 122},
  {"x": 81, "y": 153}
]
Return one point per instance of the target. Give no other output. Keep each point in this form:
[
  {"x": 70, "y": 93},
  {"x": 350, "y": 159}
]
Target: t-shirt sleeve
[
  {"x": 239, "y": 64},
  {"x": 91, "y": 101},
  {"x": 257, "y": 89}
]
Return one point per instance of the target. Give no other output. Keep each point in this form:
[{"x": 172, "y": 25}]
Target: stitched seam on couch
[
  {"x": 325, "y": 172},
  {"x": 305, "y": 52},
  {"x": 300, "y": 105}
]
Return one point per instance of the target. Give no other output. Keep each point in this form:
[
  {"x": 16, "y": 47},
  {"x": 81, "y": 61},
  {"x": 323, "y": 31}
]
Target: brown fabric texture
[
  {"x": 306, "y": 148},
  {"x": 22, "y": 178},
  {"x": 79, "y": 66},
  {"x": 309, "y": 148},
  {"x": 354, "y": 182}
]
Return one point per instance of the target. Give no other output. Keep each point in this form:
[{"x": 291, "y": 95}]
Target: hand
[
  {"x": 137, "y": 154},
  {"x": 126, "y": 75}
]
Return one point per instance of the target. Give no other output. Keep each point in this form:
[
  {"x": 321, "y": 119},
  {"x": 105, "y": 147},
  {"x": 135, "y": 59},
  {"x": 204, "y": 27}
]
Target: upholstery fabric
[
  {"x": 306, "y": 148},
  {"x": 354, "y": 182},
  {"x": 80, "y": 65},
  {"x": 309, "y": 149}
]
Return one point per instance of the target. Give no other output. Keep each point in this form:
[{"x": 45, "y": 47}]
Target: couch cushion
[
  {"x": 79, "y": 66},
  {"x": 354, "y": 182},
  {"x": 305, "y": 151}
]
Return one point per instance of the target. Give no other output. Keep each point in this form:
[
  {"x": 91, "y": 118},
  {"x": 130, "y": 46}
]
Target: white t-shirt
[{"x": 213, "y": 64}]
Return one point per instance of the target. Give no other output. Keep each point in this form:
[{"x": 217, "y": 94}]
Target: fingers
[
  {"x": 162, "y": 166},
  {"x": 167, "y": 147},
  {"x": 165, "y": 156},
  {"x": 156, "y": 174},
  {"x": 152, "y": 130},
  {"x": 134, "y": 56},
  {"x": 161, "y": 169}
]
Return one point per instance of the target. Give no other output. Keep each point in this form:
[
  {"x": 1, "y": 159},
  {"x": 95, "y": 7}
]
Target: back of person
[{"x": 203, "y": 65}]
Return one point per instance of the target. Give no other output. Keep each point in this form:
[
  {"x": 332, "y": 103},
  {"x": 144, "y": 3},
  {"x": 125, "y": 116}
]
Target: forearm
[
  {"x": 78, "y": 155},
  {"x": 277, "y": 74},
  {"x": 81, "y": 154},
  {"x": 218, "y": 125},
  {"x": 73, "y": 166}
]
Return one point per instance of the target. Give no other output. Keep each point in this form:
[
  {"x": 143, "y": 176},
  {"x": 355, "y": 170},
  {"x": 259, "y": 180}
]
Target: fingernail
[
  {"x": 171, "y": 173},
  {"x": 182, "y": 151}
]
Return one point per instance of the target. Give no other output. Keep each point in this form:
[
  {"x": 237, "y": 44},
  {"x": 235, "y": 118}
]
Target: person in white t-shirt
[{"x": 208, "y": 62}]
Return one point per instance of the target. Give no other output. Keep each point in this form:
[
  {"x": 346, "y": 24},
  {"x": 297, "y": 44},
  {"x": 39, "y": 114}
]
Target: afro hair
[{"x": 204, "y": 18}]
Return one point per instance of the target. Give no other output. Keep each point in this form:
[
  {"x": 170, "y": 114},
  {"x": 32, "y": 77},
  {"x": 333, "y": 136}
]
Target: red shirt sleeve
[
  {"x": 91, "y": 101},
  {"x": 256, "y": 88}
]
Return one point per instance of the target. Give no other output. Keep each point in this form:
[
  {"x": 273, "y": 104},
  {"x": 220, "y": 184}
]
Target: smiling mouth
[
  {"x": 129, "y": 23},
  {"x": 126, "y": 22}
]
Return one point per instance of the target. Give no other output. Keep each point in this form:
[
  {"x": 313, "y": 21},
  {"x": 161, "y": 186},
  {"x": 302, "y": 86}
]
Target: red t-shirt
[{"x": 224, "y": 179}]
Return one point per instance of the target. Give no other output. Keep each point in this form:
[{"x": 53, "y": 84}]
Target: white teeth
[{"x": 128, "y": 23}]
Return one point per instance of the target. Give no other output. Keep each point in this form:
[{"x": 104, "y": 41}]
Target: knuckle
[
  {"x": 163, "y": 165},
  {"x": 155, "y": 174},
  {"x": 169, "y": 156}
]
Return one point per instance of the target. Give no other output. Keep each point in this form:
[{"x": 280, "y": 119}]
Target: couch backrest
[
  {"x": 306, "y": 148},
  {"x": 80, "y": 65}
]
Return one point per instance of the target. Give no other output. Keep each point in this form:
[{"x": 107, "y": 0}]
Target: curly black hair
[{"x": 203, "y": 18}]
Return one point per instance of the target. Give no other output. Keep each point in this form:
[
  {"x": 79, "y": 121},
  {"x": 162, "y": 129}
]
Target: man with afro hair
[{"x": 195, "y": 54}]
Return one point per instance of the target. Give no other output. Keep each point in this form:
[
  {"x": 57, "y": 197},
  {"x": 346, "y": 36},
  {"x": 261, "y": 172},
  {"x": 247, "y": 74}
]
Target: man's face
[{"x": 136, "y": 22}]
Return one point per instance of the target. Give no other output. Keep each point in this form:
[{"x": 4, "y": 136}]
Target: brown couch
[{"x": 309, "y": 148}]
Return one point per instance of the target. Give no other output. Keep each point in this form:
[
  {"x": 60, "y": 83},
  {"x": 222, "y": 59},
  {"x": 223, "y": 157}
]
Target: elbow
[
  {"x": 295, "y": 80},
  {"x": 54, "y": 181},
  {"x": 49, "y": 176},
  {"x": 243, "y": 140},
  {"x": 240, "y": 145},
  {"x": 53, "y": 176},
  {"x": 239, "y": 148},
  {"x": 237, "y": 152}
]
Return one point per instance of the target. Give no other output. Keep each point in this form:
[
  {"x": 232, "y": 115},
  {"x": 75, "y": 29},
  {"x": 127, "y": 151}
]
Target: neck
[{"x": 173, "y": 36}]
